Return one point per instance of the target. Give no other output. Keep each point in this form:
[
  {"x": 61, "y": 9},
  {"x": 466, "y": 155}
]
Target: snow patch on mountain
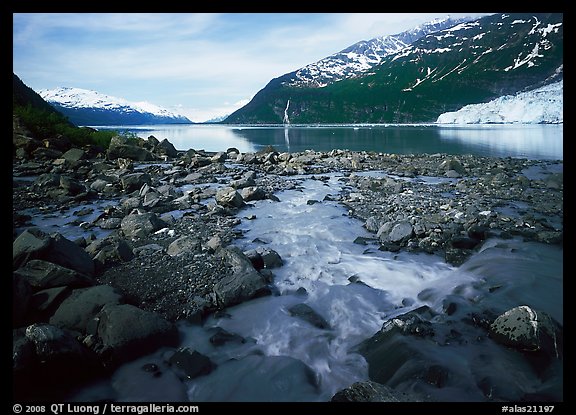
[
  {"x": 88, "y": 99},
  {"x": 544, "y": 105},
  {"x": 364, "y": 55}
]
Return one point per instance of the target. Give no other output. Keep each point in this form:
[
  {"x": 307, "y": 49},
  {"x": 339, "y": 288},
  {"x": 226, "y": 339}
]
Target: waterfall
[{"x": 286, "y": 120}]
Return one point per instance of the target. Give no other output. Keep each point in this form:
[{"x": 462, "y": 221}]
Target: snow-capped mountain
[
  {"x": 87, "y": 107},
  {"x": 543, "y": 105},
  {"x": 471, "y": 62},
  {"x": 364, "y": 55}
]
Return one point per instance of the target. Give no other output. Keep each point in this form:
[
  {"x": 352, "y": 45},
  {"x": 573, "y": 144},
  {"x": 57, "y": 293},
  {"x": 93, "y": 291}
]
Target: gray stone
[
  {"x": 526, "y": 329},
  {"x": 135, "y": 181},
  {"x": 43, "y": 274},
  {"x": 452, "y": 164},
  {"x": 123, "y": 147},
  {"x": 184, "y": 244},
  {"x": 369, "y": 391},
  {"x": 83, "y": 305},
  {"x": 109, "y": 223},
  {"x": 67, "y": 254},
  {"x": 71, "y": 186},
  {"x": 306, "y": 313},
  {"x": 167, "y": 148},
  {"x": 389, "y": 351},
  {"x": 141, "y": 225},
  {"x": 270, "y": 257},
  {"x": 74, "y": 154},
  {"x": 229, "y": 197},
  {"x": 190, "y": 364},
  {"x": 35, "y": 244},
  {"x": 242, "y": 284},
  {"x": 395, "y": 232},
  {"x": 28, "y": 245},
  {"x": 131, "y": 332},
  {"x": 52, "y": 343},
  {"x": 253, "y": 193}
]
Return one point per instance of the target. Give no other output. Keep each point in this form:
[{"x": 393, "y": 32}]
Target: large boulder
[
  {"x": 167, "y": 148},
  {"x": 396, "y": 232},
  {"x": 526, "y": 329},
  {"x": 243, "y": 283},
  {"x": 229, "y": 197},
  {"x": 35, "y": 244},
  {"x": 130, "y": 332},
  {"x": 42, "y": 274},
  {"x": 390, "y": 350},
  {"x": 135, "y": 181},
  {"x": 77, "y": 311},
  {"x": 124, "y": 147}
]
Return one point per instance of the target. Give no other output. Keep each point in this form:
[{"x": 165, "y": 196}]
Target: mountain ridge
[
  {"x": 89, "y": 107},
  {"x": 472, "y": 62}
]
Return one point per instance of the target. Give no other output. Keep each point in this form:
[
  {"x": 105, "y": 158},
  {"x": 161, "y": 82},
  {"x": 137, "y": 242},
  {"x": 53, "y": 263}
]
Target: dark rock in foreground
[{"x": 372, "y": 392}]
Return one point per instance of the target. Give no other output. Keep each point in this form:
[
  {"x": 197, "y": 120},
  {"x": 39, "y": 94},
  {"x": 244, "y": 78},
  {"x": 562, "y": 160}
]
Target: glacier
[{"x": 543, "y": 105}]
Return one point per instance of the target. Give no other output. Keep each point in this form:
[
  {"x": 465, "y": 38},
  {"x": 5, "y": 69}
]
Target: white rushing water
[{"x": 284, "y": 358}]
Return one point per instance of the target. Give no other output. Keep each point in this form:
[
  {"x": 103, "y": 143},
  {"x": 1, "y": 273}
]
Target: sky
[{"x": 202, "y": 65}]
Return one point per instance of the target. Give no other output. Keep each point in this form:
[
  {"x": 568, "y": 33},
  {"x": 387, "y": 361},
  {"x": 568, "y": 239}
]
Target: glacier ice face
[{"x": 543, "y": 105}]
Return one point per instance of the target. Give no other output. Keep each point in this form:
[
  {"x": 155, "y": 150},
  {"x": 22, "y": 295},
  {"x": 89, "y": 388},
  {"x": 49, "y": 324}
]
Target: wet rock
[
  {"x": 463, "y": 242},
  {"x": 526, "y": 329},
  {"x": 221, "y": 337},
  {"x": 369, "y": 391},
  {"x": 388, "y": 351},
  {"x": 229, "y": 197},
  {"x": 130, "y": 332},
  {"x": 306, "y": 313},
  {"x": 140, "y": 225},
  {"x": 83, "y": 305},
  {"x": 42, "y": 274},
  {"x": 270, "y": 257},
  {"x": 190, "y": 364},
  {"x": 243, "y": 283}
]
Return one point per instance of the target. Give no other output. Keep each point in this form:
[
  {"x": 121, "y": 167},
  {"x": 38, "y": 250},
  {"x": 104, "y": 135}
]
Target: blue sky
[{"x": 202, "y": 64}]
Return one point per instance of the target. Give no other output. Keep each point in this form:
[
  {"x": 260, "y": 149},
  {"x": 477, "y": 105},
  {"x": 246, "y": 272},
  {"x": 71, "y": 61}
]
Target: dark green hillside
[
  {"x": 470, "y": 63},
  {"x": 44, "y": 122}
]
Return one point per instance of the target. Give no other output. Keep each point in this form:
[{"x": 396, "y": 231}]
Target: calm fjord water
[{"x": 532, "y": 141}]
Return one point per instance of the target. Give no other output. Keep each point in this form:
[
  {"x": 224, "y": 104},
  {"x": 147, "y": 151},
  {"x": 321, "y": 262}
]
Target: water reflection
[
  {"x": 528, "y": 141},
  {"x": 520, "y": 141}
]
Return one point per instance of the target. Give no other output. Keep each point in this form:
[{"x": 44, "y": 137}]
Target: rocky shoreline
[{"x": 83, "y": 307}]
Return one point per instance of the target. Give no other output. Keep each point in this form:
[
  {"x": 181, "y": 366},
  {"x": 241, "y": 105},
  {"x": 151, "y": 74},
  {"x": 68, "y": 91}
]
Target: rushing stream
[{"x": 355, "y": 288}]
